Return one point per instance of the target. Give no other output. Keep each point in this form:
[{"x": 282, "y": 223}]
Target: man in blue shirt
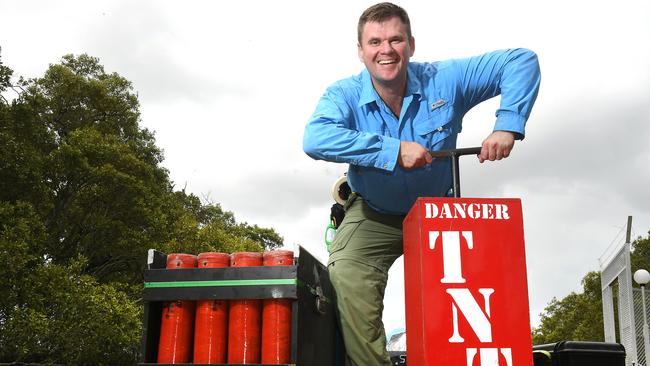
[{"x": 383, "y": 122}]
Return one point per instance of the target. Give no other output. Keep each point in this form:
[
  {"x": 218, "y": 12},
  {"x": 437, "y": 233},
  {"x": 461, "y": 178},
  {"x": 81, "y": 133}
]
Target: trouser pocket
[{"x": 344, "y": 234}]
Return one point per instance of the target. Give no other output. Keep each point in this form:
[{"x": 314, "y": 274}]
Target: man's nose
[{"x": 386, "y": 47}]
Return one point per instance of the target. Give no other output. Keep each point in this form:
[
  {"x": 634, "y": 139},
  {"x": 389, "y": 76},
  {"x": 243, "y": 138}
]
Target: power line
[{"x": 609, "y": 251}]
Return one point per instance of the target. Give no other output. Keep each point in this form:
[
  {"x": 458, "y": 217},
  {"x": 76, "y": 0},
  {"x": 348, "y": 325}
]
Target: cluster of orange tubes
[{"x": 226, "y": 331}]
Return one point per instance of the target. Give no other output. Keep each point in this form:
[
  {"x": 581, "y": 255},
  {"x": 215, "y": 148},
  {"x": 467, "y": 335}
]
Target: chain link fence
[{"x": 638, "y": 316}]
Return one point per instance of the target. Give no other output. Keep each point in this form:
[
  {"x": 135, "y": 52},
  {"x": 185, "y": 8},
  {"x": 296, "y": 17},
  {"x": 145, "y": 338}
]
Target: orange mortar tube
[
  {"x": 276, "y": 317},
  {"x": 176, "y": 329},
  {"x": 244, "y": 321},
  {"x": 211, "y": 321}
]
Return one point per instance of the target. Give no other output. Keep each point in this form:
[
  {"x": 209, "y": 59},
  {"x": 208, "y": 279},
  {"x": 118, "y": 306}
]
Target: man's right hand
[{"x": 413, "y": 155}]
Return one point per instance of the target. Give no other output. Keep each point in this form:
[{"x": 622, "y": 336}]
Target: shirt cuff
[
  {"x": 387, "y": 158},
  {"x": 512, "y": 122}
]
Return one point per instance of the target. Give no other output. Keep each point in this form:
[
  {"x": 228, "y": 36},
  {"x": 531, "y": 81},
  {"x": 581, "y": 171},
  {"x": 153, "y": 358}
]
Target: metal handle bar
[{"x": 454, "y": 154}]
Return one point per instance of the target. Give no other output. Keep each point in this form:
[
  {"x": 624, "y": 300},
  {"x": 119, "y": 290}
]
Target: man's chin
[{"x": 386, "y": 79}]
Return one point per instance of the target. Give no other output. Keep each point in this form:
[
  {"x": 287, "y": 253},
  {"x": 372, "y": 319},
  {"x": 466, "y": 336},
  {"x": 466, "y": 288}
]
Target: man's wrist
[{"x": 387, "y": 159}]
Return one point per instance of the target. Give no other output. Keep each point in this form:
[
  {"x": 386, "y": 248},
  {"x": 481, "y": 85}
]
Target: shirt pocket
[{"x": 435, "y": 128}]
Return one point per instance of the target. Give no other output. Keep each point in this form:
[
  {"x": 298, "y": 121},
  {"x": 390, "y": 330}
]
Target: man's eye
[{"x": 374, "y": 42}]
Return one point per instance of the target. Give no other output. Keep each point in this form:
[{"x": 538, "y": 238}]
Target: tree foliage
[
  {"x": 579, "y": 316},
  {"x": 5, "y": 76},
  {"x": 83, "y": 196},
  {"x": 640, "y": 257}
]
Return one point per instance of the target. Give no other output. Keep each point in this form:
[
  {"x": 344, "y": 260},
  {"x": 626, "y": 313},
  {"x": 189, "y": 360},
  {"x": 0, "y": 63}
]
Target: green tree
[
  {"x": 578, "y": 316},
  {"x": 211, "y": 214},
  {"x": 82, "y": 197},
  {"x": 54, "y": 313},
  {"x": 640, "y": 256},
  {"x": 73, "y": 147},
  {"x": 94, "y": 175},
  {"x": 5, "y": 77}
]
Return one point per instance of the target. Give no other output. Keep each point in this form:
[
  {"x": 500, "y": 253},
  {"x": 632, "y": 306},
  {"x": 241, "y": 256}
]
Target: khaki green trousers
[{"x": 365, "y": 246}]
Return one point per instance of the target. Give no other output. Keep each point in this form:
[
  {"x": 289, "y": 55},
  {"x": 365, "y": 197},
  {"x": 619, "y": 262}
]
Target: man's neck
[{"x": 392, "y": 95}]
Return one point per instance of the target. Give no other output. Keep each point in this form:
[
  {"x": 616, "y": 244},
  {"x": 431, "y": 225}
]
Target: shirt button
[{"x": 439, "y": 129}]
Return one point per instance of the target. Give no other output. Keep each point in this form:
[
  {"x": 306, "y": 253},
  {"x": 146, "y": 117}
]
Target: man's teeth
[{"x": 386, "y": 62}]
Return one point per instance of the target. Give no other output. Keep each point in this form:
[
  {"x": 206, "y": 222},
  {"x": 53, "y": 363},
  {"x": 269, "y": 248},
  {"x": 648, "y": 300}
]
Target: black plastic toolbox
[
  {"x": 397, "y": 358},
  {"x": 575, "y": 353}
]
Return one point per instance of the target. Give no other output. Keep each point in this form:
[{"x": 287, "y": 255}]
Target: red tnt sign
[{"x": 466, "y": 288}]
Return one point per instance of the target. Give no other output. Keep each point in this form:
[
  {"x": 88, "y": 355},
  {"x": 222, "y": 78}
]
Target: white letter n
[{"x": 477, "y": 319}]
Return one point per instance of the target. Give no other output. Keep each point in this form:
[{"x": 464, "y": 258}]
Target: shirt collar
[{"x": 369, "y": 94}]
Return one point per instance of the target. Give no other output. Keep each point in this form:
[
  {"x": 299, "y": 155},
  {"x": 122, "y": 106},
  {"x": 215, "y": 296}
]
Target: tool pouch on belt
[{"x": 337, "y": 213}]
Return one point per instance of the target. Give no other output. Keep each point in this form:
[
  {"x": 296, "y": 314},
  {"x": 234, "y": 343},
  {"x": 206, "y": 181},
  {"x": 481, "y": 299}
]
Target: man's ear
[
  {"x": 412, "y": 44},
  {"x": 360, "y": 52}
]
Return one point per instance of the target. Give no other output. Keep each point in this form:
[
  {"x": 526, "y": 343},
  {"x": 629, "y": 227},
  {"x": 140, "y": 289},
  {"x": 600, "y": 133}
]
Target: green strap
[{"x": 222, "y": 283}]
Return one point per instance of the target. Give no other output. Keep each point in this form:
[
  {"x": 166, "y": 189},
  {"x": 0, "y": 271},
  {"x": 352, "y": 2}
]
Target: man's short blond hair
[{"x": 381, "y": 12}]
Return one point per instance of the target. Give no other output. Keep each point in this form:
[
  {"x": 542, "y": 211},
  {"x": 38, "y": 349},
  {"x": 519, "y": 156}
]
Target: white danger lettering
[{"x": 485, "y": 211}]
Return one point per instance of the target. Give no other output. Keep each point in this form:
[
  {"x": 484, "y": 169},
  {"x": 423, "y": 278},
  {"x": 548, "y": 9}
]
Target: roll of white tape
[{"x": 335, "y": 190}]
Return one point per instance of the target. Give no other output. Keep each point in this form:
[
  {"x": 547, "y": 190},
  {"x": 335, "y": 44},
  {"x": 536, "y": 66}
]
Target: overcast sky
[{"x": 228, "y": 86}]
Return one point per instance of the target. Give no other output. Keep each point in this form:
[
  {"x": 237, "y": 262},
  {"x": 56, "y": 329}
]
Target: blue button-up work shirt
[{"x": 353, "y": 125}]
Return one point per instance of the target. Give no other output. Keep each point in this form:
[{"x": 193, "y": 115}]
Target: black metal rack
[{"x": 315, "y": 339}]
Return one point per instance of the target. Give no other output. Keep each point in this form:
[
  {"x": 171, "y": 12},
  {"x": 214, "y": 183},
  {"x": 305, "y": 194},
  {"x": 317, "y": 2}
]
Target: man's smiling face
[{"x": 385, "y": 49}]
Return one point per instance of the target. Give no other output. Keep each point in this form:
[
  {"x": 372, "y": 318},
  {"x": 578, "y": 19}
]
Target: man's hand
[
  {"x": 413, "y": 155},
  {"x": 497, "y": 146}
]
